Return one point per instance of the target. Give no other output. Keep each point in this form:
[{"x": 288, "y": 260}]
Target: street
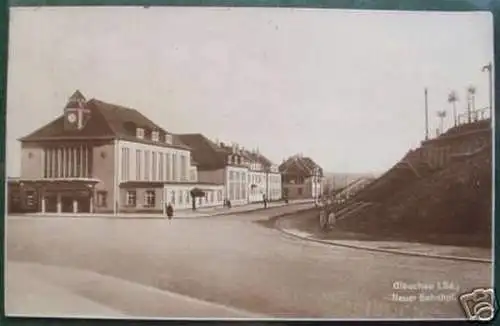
[{"x": 232, "y": 262}]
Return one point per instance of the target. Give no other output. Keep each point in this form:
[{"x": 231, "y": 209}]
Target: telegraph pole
[
  {"x": 426, "y": 115},
  {"x": 489, "y": 69}
]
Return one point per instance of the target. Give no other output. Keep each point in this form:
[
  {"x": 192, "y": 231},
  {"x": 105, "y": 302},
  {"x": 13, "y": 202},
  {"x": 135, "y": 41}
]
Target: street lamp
[{"x": 489, "y": 69}]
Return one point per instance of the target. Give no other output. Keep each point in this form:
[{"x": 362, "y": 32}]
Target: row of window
[
  {"x": 257, "y": 179},
  {"x": 155, "y": 166},
  {"x": 155, "y": 135},
  {"x": 67, "y": 162},
  {"x": 180, "y": 197}
]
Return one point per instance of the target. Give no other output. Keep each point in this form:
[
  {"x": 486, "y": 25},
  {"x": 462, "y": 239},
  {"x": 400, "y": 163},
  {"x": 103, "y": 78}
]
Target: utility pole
[
  {"x": 426, "y": 115},
  {"x": 489, "y": 69}
]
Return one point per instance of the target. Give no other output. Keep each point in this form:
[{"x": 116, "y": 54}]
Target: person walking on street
[
  {"x": 264, "y": 199},
  {"x": 170, "y": 211}
]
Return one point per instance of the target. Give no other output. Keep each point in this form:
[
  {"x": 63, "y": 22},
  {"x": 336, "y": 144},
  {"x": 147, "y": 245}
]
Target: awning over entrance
[{"x": 54, "y": 182}]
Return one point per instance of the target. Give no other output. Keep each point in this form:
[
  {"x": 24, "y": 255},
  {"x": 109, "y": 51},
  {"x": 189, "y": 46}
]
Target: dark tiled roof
[
  {"x": 106, "y": 121},
  {"x": 205, "y": 152},
  {"x": 299, "y": 164},
  {"x": 259, "y": 158}
]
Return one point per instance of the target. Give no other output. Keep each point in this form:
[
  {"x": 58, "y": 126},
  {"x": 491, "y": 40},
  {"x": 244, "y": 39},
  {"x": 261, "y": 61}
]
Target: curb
[
  {"x": 159, "y": 216},
  {"x": 389, "y": 251}
]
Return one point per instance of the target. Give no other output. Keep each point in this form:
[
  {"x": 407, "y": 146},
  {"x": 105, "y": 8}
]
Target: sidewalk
[
  {"x": 471, "y": 254},
  {"x": 179, "y": 214},
  {"x": 53, "y": 291}
]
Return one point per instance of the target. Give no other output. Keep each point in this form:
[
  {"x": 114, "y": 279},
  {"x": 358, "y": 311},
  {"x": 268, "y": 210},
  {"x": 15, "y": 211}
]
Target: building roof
[
  {"x": 206, "y": 153},
  {"x": 259, "y": 158},
  {"x": 300, "y": 165},
  {"x": 106, "y": 121}
]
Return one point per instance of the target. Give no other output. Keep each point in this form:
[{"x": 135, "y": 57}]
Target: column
[
  {"x": 91, "y": 201},
  {"x": 80, "y": 173},
  {"x": 86, "y": 161},
  {"x": 59, "y": 163},
  {"x": 70, "y": 161},
  {"x": 164, "y": 202},
  {"x": 75, "y": 165},
  {"x": 63, "y": 161},
  {"x": 53, "y": 155},
  {"x": 43, "y": 204},
  {"x": 75, "y": 205},
  {"x": 59, "y": 203}
]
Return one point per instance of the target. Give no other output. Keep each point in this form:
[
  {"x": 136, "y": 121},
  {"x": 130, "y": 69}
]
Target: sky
[{"x": 343, "y": 87}]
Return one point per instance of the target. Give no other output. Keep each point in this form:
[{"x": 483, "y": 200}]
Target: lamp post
[
  {"x": 489, "y": 69},
  {"x": 426, "y": 115}
]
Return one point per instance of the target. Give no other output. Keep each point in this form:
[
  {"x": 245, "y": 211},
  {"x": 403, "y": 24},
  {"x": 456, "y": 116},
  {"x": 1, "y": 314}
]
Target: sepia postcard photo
[{"x": 249, "y": 163}]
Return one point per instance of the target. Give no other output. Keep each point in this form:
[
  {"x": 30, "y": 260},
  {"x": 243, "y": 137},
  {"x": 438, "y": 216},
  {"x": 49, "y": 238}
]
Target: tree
[
  {"x": 441, "y": 115},
  {"x": 453, "y": 99}
]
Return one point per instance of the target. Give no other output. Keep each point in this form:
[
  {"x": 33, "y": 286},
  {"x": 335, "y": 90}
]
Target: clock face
[{"x": 72, "y": 117}]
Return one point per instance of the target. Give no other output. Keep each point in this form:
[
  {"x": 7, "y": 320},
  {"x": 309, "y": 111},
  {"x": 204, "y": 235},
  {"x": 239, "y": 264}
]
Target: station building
[{"x": 101, "y": 157}]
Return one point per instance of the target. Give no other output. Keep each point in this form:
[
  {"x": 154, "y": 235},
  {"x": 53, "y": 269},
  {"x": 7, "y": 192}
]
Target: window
[
  {"x": 168, "y": 175},
  {"x": 184, "y": 174},
  {"x": 155, "y": 136},
  {"x": 199, "y": 201},
  {"x": 131, "y": 198},
  {"x": 188, "y": 197},
  {"x": 181, "y": 197},
  {"x": 149, "y": 198},
  {"x": 299, "y": 191},
  {"x": 155, "y": 166},
  {"x": 140, "y": 133},
  {"x": 172, "y": 197},
  {"x": 243, "y": 186},
  {"x": 174, "y": 167},
  {"x": 125, "y": 164},
  {"x": 211, "y": 197},
  {"x": 102, "y": 199},
  {"x": 219, "y": 195},
  {"x": 147, "y": 155},
  {"x": 138, "y": 160},
  {"x": 161, "y": 167},
  {"x": 168, "y": 139}
]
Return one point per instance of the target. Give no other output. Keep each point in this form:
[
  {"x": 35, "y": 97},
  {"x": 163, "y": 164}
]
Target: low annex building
[{"x": 101, "y": 157}]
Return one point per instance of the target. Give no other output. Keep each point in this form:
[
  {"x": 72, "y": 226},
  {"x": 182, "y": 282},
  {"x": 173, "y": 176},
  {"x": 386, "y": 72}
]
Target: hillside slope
[{"x": 452, "y": 205}]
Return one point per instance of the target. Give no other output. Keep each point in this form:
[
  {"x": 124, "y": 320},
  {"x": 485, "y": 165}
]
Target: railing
[{"x": 473, "y": 116}]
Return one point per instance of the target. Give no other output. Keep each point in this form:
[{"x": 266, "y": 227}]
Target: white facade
[
  {"x": 257, "y": 185},
  {"x": 138, "y": 162},
  {"x": 147, "y": 162},
  {"x": 275, "y": 190},
  {"x": 316, "y": 189},
  {"x": 236, "y": 185}
]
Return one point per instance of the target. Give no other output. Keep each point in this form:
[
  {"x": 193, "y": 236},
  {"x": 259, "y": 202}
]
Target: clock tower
[{"x": 76, "y": 114}]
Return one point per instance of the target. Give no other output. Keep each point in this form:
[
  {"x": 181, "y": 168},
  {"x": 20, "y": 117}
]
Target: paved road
[{"x": 231, "y": 261}]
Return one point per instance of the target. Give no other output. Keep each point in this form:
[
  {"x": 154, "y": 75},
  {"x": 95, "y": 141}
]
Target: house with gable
[{"x": 302, "y": 177}]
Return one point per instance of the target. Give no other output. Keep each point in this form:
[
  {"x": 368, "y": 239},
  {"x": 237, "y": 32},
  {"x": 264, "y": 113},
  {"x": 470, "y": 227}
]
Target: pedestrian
[
  {"x": 170, "y": 211},
  {"x": 264, "y": 199}
]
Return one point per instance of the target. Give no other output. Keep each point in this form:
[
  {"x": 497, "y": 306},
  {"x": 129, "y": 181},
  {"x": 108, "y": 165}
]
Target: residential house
[
  {"x": 301, "y": 177},
  {"x": 247, "y": 175}
]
